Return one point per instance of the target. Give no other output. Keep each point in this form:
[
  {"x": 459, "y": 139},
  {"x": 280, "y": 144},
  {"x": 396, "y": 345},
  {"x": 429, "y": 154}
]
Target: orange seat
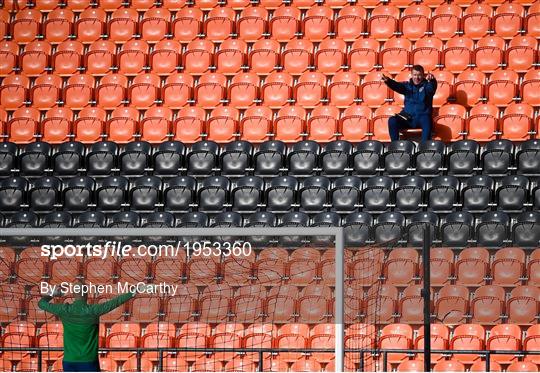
[
  {"x": 45, "y": 93},
  {"x": 157, "y": 334},
  {"x": 414, "y": 22},
  {"x": 523, "y": 304},
  {"x": 487, "y": 305},
  {"x": 256, "y": 124},
  {"x": 531, "y": 21},
  {"x": 531, "y": 343},
  {"x": 26, "y": 26},
  {"x": 156, "y": 126},
  {"x": 100, "y": 57},
  {"x": 164, "y": 59},
  {"x": 363, "y": 56},
  {"x": 411, "y": 305},
  {"x": 502, "y": 87},
  {"x": 177, "y": 90},
  {"x": 144, "y": 91},
  {"x": 342, "y": 91},
  {"x": 187, "y": 24},
  {"x": 298, "y": 56},
  {"x": 252, "y": 24},
  {"x": 174, "y": 364},
  {"x": 383, "y": 23},
  {"x": 88, "y": 127},
  {"x": 310, "y": 89},
  {"x": 304, "y": 365},
  {"x": 220, "y": 24},
  {"x": 259, "y": 335},
  {"x": 521, "y": 54},
  {"x": 530, "y": 88},
  {"x": 130, "y": 365},
  {"x": 79, "y": 91},
  {"x": 264, "y": 56},
  {"x": 90, "y": 25},
  {"x": 468, "y": 337},
  {"x": 223, "y": 124},
  {"x": 13, "y": 92},
  {"x": 189, "y": 125},
  {"x": 411, "y": 366},
  {"x": 8, "y": 57},
  {"x": 330, "y": 56},
  {"x": 111, "y": 91},
  {"x": 207, "y": 364},
  {"x": 394, "y": 57},
  {"x": 440, "y": 335},
  {"x": 244, "y": 90},
  {"x": 445, "y": 22},
  {"x": 396, "y": 336},
  {"x": 482, "y": 124},
  {"x": 202, "y": 271},
  {"x": 488, "y": 54},
  {"x": 401, "y": 266},
  {"x": 132, "y": 58},
  {"x": 277, "y": 89},
  {"x": 123, "y": 335},
  {"x": 350, "y": 24},
  {"x": 480, "y": 366},
  {"x": 56, "y": 127},
  {"x": 211, "y": 91},
  {"x": 450, "y": 123},
  {"x": 508, "y": 266},
  {"x": 16, "y": 340},
  {"x": 226, "y": 336},
  {"x": 469, "y": 87},
  {"x": 193, "y": 335},
  {"x": 123, "y": 25},
  {"x": 231, "y": 56},
  {"x": 4, "y": 23},
  {"x": 23, "y": 126},
  {"x": 110, "y": 5},
  {"x": 427, "y": 52},
  {"x": 477, "y": 20},
  {"x": 240, "y": 365},
  {"x": 289, "y": 124},
  {"x": 457, "y": 56},
  {"x": 472, "y": 266},
  {"x": 373, "y": 90},
  {"x": 504, "y": 337},
  {"x": 532, "y": 268},
  {"x": 155, "y": 24},
  {"x": 508, "y": 19},
  {"x": 449, "y": 366},
  {"x": 123, "y": 125},
  {"x": 442, "y": 266},
  {"x": 323, "y": 123},
  {"x": 379, "y": 124},
  {"x": 292, "y": 336},
  {"x": 516, "y": 124},
  {"x": 522, "y": 366},
  {"x": 285, "y": 23},
  {"x": 317, "y": 23},
  {"x": 35, "y": 58},
  {"x": 382, "y": 305},
  {"x": 452, "y": 304}
]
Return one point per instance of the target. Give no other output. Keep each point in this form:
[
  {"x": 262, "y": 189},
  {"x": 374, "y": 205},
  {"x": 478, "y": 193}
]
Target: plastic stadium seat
[
  {"x": 363, "y": 55},
  {"x": 504, "y": 337},
  {"x": 401, "y": 266},
  {"x": 522, "y": 366},
  {"x": 411, "y": 366},
  {"x": 174, "y": 5},
  {"x": 223, "y": 124},
  {"x": 8, "y": 51},
  {"x": 488, "y": 54},
  {"x": 520, "y": 307},
  {"x": 497, "y": 157},
  {"x": 144, "y": 193},
  {"x": 90, "y": 25},
  {"x": 468, "y": 337},
  {"x": 527, "y": 160},
  {"x": 349, "y": 24},
  {"x": 502, "y": 87},
  {"x": 440, "y": 335},
  {"x": 411, "y": 305},
  {"x": 207, "y": 364},
  {"x": 480, "y": 366},
  {"x": 243, "y": 90},
  {"x": 213, "y": 194},
  {"x": 375, "y": 93},
  {"x": 277, "y": 89},
  {"x": 427, "y": 52},
  {"x": 99, "y": 58},
  {"x": 123, "y": 25},
  {"x": 383, "y": 23},
  {"x": 530, "y": 343},
  {"x": 482, "y": 123},
  {"x": 202, "y": 158},
  {"x": 35, "y": 58},
  {"x": 310, "y": 89},
  {"x": 210, "y": 91},
  {"x": 132, "y": 58},
  {"x": 463, "y": 158},
  {"x": 414, "y": 23},
  {"x": 13, "y": 92},
  {"x": 477, "y": 20},
  {"x": 477, "y": 193},
  {"x": 452, "y": 304},
  {"x": 187, "y": 24},
  {"x": 396, "y": 336},
  {"x": 313, "y": 194},
  {"x": 144, "y": 91},
  {"x": 155, "y": 24},
  {"x": 88, "y": 127},
  {"x": 35, "y": 159},
  {"x": 487, "y": 304},
  {"x": 398, "y": 158},
  {"x": 45, "y": 93},
  {"x": 164, "y": 59},
  {"x": 240, "y": 365},
  {"x": 256, "y": 124},
  {"x": 56, "y": 127},
  {"x": 330, "y": 56},
  {"x": 285, "y": 23},
  {"x": 449, "y": 366},
  {"x": 193, "y": 335},
  {"x": 526, "y": 230},
  {"x": 220, "y": 24},
  {"x": 112, "y": 192},
  {"x": 270, "y": 267},
  {"x": 110, "y": 5},
  {"x": 292, "y": 336},
  {"x": 445, "y": 22},
  {"x": 317, "y": 23},
  {"x": 449, "y": 124},
  {"x": 58, "y": 25},
  {"x": 394, "y": 57},
  {"x": 177, "y": 90},
  {"x": 343, "y": 88},
  {"x": 445, "y": 88},
  {"x": 323, "y": 123},
  {"x": 512, "y": 193},
  {"x": 264, "y": 56},
  {"x": 507, "y": 20},
  {"x": 252, "y": 24},
  {"x": 304, "y": 365},
  {"x": 78, "y": 92},
  {"x": 26, "y": 26},
  {"x": 469, "y": 87},
  {"x": 22, "y": 128},
  {"x": 520, "y": 55},
  {"x": 231, "y": 56},
  {"x": 472, "y": 266},
  {"x": 297, "y": 56},
  {"x": 155, "y": 127},
  {"x": 130, "y": 365},
  {"x": 123, "y": 124},
  {"x": 492, "y": 228},
  {"x": 111, "y": 91},
  {"x": 457, "y": 56},
  {"x": 377, "y": 194},
  {"x": 516, "y": 123},
  {"x": 289, "y": 125},
  {"x": 126, "y": 335},
  {"x": 389, "y": 227},
  {"x": 4, "y": 23}
]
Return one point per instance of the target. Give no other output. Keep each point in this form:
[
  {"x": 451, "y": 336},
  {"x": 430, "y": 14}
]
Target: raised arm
[
  {"x": 394, "y": 86},
  {"x": 46, "y": 305},
  {"x": 431, "y": 85},
  {"x": 103, "y": 308}
]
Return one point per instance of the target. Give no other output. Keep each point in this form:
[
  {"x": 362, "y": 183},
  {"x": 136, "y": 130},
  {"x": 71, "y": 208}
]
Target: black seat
[
  {"x": 443, "y": 194},
  {"x": 346, "y": 194},
  {"x": 23, "y": 219},
  {"x": 526, "y": 230},
  {"x": 159, "y": 219},
  {"x": 193, "y": 220},
  {"x": 513, "y": 194},
  {"x": 44, "y": 194},
  {"x": 247, "y": 194},
  {"x": 91, "y": 219},
  {"x": 409, "y": 194},
  {"x": 68, "y": 159},
  {"x": 429, "y": 159},
  {"x": 418, "y": 224},
  {"x": 145, "y": 193},
  {"x": 12, "y": 194},
  {"x": 398, "y": 158},
  {"x": 325, "y": 219},
  {"x": 497, "y": 157},
  {"x": 270, "y": 159},
  {"x": 293, "y": 219},
  {"x": 463, "y": 158},
  {"x": 101, "y": 160},
  {"x": 214, "y": 194},
  {"x": 202, "y": 158},
  {"x": 169, "y": 158},
  {"x": 389, "y": 227},
  {"x": 261, "y": 219},
  {"x": 179, "y": 194},
  {"x": 35, "y": 159},
  {"x": 528, "y": 158},
  {"x": 125, "y": 219},
  {"x": 477, "y": 193},
  {"x": 303, "y": 158},
  {"x": 112, "y": 193},
  {"x": 135, "y": 158},
  {"x": 367, "y": 158},
  {"x": 378, "y": 194},
  {"x": 357, "y": 229},
  {"x": 313, "y": 196},
  {"x": 492, "y": 229},
  {"x": 78, "y": 194},
  {"x": 228, "y": 219},
  {"x": 236, "y": 158},
  {"x": 335, "y": 158},
  {"x": 57, "y": 219},
  {"x": 8, "y": 158},
  {"x": 458, "y": 229},
  {"x": 281, "y": 194}
]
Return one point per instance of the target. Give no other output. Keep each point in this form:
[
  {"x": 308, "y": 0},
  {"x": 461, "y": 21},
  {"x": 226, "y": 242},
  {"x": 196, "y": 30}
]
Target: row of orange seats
[
  {"x": 265, "y": 56},
  {"x": 286, "y": 22}
]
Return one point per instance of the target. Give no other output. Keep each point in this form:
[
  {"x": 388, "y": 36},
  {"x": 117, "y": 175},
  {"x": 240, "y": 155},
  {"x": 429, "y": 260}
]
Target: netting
[{"x": 271, "y": 307}]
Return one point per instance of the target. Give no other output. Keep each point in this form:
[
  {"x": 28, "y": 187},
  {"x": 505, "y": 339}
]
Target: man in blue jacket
[{"x": 418, "y": 92}]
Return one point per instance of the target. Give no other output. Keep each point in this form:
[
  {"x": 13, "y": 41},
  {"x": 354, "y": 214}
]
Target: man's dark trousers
[
  {"x": 92, "y": 366},
  {"x": 396, "y": 124}
]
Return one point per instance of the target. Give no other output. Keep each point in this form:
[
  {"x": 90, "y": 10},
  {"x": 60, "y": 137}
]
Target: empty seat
[
  {"x": 468, "y": 337},
  {"x": 520, "y": 307},
  {"x": 452, "y": 304},
  {"x": 504, "y": 337}
]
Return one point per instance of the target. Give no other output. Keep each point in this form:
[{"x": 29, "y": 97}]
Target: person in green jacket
[{"x": 81, "y": 328}]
